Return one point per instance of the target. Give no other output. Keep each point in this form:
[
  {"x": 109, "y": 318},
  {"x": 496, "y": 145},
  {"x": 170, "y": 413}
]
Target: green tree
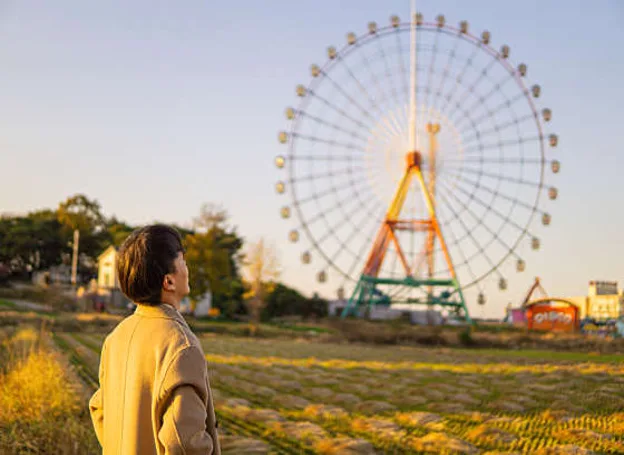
[
  {"x": 213, "y": 256},
  {"x": 34, "y": 240},
  {"x": 286, "y": 301},
  {"x": 81, "y": 213},
  {"x": 283, "y": 301},
  {"x": 117, "y": 231},
  {"x": 316, "y": 307}
]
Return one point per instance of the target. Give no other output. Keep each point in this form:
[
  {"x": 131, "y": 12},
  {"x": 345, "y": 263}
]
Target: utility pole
[{"x": 74, "y": 271}]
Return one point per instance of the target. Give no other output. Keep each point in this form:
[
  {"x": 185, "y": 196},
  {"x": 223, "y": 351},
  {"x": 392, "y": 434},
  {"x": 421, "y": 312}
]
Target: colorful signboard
[
  {"x": 605, "y": 287},
  {"x": 551, "y": 317}
]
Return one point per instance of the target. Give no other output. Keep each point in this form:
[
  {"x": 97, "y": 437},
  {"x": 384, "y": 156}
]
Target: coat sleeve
[
  {"x": 184, "y": 397},
  {"x": 96, "y": 407}
]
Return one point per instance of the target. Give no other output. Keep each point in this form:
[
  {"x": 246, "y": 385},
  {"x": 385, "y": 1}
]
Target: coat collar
[{"x": 162, "y": 310}]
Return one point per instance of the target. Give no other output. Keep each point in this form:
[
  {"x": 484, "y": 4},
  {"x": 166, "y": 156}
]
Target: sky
[{"x": 154, "y": 108}]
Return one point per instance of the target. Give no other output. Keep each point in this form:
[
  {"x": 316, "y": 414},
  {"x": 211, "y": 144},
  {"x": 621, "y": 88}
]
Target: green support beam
[{"x": 367, "y": 294}]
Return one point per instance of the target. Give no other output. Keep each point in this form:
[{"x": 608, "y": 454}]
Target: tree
[
  {"x": 82, "y": 214},
  {"x": 117, "y": 231},
  {"x": 262, "y": 271},
  {"x": 316, "y": 307},
  {"x": 33, "y": 241},
  {"x": 210, "y": 216},
  {"x": 213, "y": 258},
  {"x": 78, "y": 212},
  {"x": 283, "y": 301},
  {"x": 286, "y": 301}
]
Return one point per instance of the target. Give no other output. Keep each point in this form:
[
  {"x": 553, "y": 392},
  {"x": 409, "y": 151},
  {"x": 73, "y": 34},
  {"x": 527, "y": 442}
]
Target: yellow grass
[
  {"x": 39, "y": 409},
  {"x": 500, "y": 368}
]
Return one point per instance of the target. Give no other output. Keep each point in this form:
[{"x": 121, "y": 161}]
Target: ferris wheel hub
[{"x": 413, "y": 159}]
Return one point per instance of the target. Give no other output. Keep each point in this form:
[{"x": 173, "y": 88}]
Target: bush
[
  {"x": 39, "y": 413},
  {"x": 465, "y": 337}
]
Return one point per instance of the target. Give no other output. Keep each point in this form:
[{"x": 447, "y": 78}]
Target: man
[{"x": 154, "y": 395}]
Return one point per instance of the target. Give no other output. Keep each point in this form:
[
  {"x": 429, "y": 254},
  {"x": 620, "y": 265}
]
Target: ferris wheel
[{"x": 416, "y": 163}]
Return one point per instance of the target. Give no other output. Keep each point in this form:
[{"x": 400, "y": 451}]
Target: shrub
[{"x": 37, "y": 408}]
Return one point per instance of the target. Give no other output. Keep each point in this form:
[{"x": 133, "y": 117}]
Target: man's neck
[{"x": 171, "y": 302}]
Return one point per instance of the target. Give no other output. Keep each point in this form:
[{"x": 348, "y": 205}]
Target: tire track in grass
[
  {"x": 89, "y": 343},
  {"x": 86, "y": 375},
  {"x": 336, "y": 427}
]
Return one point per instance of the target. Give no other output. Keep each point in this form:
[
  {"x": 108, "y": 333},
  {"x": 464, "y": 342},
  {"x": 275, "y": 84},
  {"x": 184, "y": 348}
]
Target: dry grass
[{"x": 40, "y": 411}]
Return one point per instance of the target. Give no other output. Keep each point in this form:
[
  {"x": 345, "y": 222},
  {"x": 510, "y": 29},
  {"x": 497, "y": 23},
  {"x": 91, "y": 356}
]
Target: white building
[
  {"x": 107, "y": 280},
  {"x": 107, "y": 269},
  {"x": 391, "y": 312}
]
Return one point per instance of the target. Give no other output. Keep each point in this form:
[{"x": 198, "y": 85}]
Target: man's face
[{"x": 180, "y": 277}]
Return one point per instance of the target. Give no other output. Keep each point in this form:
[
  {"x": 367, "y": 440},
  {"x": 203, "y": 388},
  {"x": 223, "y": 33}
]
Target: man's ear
[{"x": 168, "y": 283}]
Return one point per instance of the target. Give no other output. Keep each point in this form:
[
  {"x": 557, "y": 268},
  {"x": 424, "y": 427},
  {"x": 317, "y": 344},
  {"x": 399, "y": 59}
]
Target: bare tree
[
  {"x": 210, "y": 215},
  {"x": 262, "y": 269}
]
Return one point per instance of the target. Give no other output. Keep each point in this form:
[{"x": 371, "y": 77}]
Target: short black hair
[{"x": 144, "y": 259}]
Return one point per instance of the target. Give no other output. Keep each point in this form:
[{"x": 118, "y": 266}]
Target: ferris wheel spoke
[
  {"x": 505, "y": 104},
  {"x": 463, "y": 257},
  {"x": 480, "y": 77},
  {"x": 393, "y": 90},
  {"x": 495, "y": 237},
  {"x": 348, "y": 97},
  {"x": 480, "y": 249},
  {"x": 331, "y": 190},
  {"x": 380, "y": 90},
  {"x": 332, "y": 228},
  {"x": 349, "y": 158},
  {"x": 451, "y": 58},
  {"x": 502, "y": 160},
  {"x": 332, "y": 142},
  {"x": 389, "y": 129},
  {"x": 490, "y": 114},
  {"x": 308, "y": 177},
  {"x": 459, "y": 78},
  {"x": 497, "y": 193},
  {"x": 402, "y": 64},
  {"x": 340, "y": 111},
  {"x": 481, "y": 222},
  {"x": 343, "y": 246},
  {"x": 342, "y": 204},
  {"x": 497, "y": 88},
  {"x": 456, "y": 214},
  {"x": 498, "y": 128},
  {"x": 489, "y": 208},
  {"x": 434, "y": 54},
  {"x": 499, "y": 177},
  {"x": 333, "y": 126},
  {"x": 502, "y": 178},
  {"x": 501, "y": 144}
]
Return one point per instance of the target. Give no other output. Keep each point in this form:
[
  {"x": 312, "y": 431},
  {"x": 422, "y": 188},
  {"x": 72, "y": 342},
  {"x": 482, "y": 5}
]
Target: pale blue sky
[{"x": 154, "y": 107}]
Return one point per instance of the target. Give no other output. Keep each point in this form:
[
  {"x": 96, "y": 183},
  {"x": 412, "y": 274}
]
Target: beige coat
[{"x": 154, "y": 395}]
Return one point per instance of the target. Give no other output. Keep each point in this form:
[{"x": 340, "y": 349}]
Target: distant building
[
  {"x": 60, "y": 274},
  {"x": 391, "y": 312},
  {"x": 107, "y": 269},
  {"x": 603, "y": 301},
  {"x": 107, "y": 279},
  {"x": 203, "y": 306}
]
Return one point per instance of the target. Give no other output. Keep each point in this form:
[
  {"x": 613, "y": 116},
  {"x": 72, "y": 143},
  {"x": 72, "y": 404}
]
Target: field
[{"x": 300, "y": 396}]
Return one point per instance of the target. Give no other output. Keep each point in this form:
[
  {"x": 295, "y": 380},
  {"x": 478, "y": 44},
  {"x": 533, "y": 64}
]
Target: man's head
[{"x": 151, "y": 266}]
